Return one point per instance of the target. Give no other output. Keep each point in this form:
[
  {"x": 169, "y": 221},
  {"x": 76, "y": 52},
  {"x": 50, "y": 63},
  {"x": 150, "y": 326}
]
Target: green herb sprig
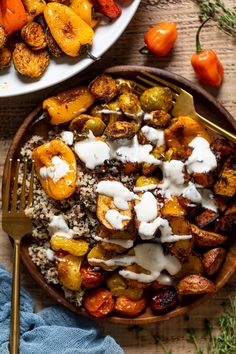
[
  {"x": 217, "y": 11},
  {"x": 192, "y": 336}
]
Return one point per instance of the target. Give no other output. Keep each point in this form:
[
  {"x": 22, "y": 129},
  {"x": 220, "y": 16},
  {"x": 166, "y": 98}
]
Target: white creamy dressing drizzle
[
  {"x": 120, "y": 242},
  {"x": 149, "y": 256},
  {"x": 50, "y": 254},
  {"x": 56, "y": 171},
  {"x": 202, "y": 158},
  {"x": 92, "y": 152},
  {"x": 110, "y": 111},
  {"x": 146, "y": 210},
  {"x": 132, "y": 151},
  {"x": 67, "y": 137},
  {"x": 207, "y": 199},
  {"x": 150, "y": 187},
  {"x": 155, "y": 136},
  {"x": 147, "y": 116},
  {"x": 59, "y": 227},
  {"x": 136, "y": 116},
  {"x": 116, "y": 190},
  {"x": 173, "y": 178},
  {"x": 116, "y": 219}
]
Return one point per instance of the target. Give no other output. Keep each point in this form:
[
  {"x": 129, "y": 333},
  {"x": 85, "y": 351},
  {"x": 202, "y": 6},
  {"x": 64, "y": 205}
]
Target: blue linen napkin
[{"x": 54, "y": 330}]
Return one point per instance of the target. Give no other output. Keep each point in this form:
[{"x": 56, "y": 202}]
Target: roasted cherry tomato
[
  {"x": 59, "y": 255},
  {"x": 99, "y": 302},
  {"x": 132, "y": 308},
  {"x": 91, "y": 278},
  {"x": 163, "y": 299}
]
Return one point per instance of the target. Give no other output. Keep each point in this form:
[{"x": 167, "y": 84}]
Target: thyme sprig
[
  {"x": 217, "y": 11},
  {"x": 192, "y": 336}
]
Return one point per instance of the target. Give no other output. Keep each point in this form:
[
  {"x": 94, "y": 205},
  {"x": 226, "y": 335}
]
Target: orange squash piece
[
  {"x": 69, "y": 104},
  {"x": 42, "y": 157}
]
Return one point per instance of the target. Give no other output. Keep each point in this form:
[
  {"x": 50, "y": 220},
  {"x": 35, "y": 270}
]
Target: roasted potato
[
  {"x": 195, "y": 285},
  {"x": 128, "y": 307},
  {"x": 135, "y": 268},
  {"x": 172, "y": 207},
  {"x": 120, "y": 130},
  {"x": 226, "y": 184},
  {"x": 144, "y": 181},
  {"x": 156, "y": 98},
  {"x": 204, "y": 238},
  {"x": 33, "y": 35},
  {"x": 157, "y": 119},
  {"x": 228, "y": 222},
  {"x": 124, "y": 85},
  {"x": 180, "y": 226},
  {"x": 223, "y": 147},
  {"x": 104, "y": 204},
  {"x": 3, "y": 37},
  {"x": 213, "y": 259},
  {"x": 5, "y": 57},
  {"x": 53, "y": 47},
  {"x": 130, "y": 105},
  {"x": 103, "y": 87},
  {"x": 69, "y": 272},
  {"x": 163, "y": 300},
  {"x": 101, "y": 254},
  {"x": 192, "y": 265},
  {"x": 118, "y": 287},
  {"x": 131, "y": 167},
  {"x": 192, "y": 209},
  {"x": 30, "y": 63},
  {"x": 74, "y": 247},
  {"x": 206, "y": 218},
  {"x": 203, "y": 179}
]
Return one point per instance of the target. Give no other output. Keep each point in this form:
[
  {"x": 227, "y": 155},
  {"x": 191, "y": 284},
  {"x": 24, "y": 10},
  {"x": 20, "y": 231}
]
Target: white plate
[{"x": 12, "y": 84}]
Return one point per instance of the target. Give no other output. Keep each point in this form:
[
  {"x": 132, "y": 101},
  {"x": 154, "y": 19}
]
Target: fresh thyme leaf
[
  {"x": 217, "y": 11},
  {"x": 192, "y": 336},
  {"x": 226, "y": 342},
  {"x": 158, "y": 340},
  {"x": 211, "y": 343}
]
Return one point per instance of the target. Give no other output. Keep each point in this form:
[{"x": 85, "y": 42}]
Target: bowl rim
[{"x": 33, "y": 270}]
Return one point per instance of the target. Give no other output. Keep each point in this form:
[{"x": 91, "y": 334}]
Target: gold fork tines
[
  {"x": 183, "y": 102},
  {"x": 17, "y": 225}
]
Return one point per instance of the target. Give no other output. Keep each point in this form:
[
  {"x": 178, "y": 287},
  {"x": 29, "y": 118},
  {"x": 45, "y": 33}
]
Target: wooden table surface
[{"x": 125, "y": 51}]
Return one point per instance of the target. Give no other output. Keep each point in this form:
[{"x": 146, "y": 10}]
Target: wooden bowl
[{"x": 206, "y": 105}]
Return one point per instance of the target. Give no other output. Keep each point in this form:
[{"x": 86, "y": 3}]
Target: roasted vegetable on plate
[{"x": 137, "y": 206}]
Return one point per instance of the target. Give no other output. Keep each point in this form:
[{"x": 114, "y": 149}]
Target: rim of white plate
[{"x": 13, "y": 84}]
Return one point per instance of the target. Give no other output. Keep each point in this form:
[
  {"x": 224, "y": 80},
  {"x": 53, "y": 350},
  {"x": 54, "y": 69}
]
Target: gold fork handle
[
  {"x": 217, "y": 129},
  {"x": 14, "y": 334}
]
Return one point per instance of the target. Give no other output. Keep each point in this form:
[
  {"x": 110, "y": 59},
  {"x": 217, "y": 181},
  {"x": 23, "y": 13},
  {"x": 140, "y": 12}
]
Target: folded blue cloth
[{"x": 54, "y": 330}]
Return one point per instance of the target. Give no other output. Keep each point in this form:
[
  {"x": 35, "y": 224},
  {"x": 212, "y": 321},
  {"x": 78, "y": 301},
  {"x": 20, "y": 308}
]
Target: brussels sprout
[
  {"x": 130, "y": 105},
  {"x": 156, "y": 98}
]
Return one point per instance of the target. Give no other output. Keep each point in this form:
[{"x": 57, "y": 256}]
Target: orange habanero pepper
[
  {"x": 14, "y": 15},
  {"x": 160, "y": 39},
  {"x": 206, "y": 64}
]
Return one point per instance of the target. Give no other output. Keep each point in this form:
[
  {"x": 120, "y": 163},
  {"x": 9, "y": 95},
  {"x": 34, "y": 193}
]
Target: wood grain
[{"x": 125, "y": 51}]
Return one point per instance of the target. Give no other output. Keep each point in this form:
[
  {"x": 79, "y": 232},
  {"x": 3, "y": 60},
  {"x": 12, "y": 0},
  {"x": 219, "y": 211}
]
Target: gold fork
[
  {"x": 183, "y": 103},
  {"x": 17, "y": 225}
]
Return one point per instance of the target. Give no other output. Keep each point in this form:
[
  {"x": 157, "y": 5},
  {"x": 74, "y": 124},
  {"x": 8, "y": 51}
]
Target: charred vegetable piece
[
  {"x": 43, "y": 156},
  {"x": 100, "y": 254},
  {"x": 74, "y": 247},
  {"x": 120, "y": 130},
  {"x": 193, "y": 265},
  {"x": 130, "y": 105},
  {"x": 204, "y": 238},
  {"x": 108, "y": 7},
  {"x": 191, "y": 208},
  {"x": 3, "y": 37},
  {"x": 34, "y": 36},
  {"x": 206, "y": 218},
  {"x": 226, "y": 184},
  {"x": 157, "y": 119},
  {"x": 103, "y": 87},
  {"x": 69, "y": 272},
  {"x": 203, "y": 179},
  {"x": 91, "y": 277},
  {"x": 173, "y": 207},
  {"x": 99, "y": 302},
  {"x": 86, "y": 123},
  {"x": 223, "y": 147},
  {"x": 71, "y": 33},
  {"x": 53, "y": 48},
  {"x": 135, "y": 268},
  {"x": 124, "y": 85},
  {"x": 119, "y": 287},
  {"x": 5, "y": 57},
  {"x": 180, "y": 226},
  {"x": 213, "y": 259},
  {"x": 130, "y": 167},
  {"x": 228, "y": 222},
  {"x": 163, "y": 300},
  {"x": 156, "y": 98},
  {"x": 30, "y": 63},
  {"x": 34, "y": 7},
  {"x": 68, "y": 104},
  {"x": 195, "y": 285},
  {"x": 131, "y": 308}
]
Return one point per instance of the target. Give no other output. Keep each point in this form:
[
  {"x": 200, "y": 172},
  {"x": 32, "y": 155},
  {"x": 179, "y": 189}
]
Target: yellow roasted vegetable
[
  {"x": 74, "y": 247},
  {"x": 85, "y": 122},
  {"x": 68, "y": 29},
  {"x": 68, "y": 104},
  {"x": 34, "y": 8},
  {"x": 96, "y": 257},
  {"x": 69, "y": 272},
  {"x": 118, "y": 287},
  {"x": 84, "y": 9},
  {"x": 57, "y": 186}
]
